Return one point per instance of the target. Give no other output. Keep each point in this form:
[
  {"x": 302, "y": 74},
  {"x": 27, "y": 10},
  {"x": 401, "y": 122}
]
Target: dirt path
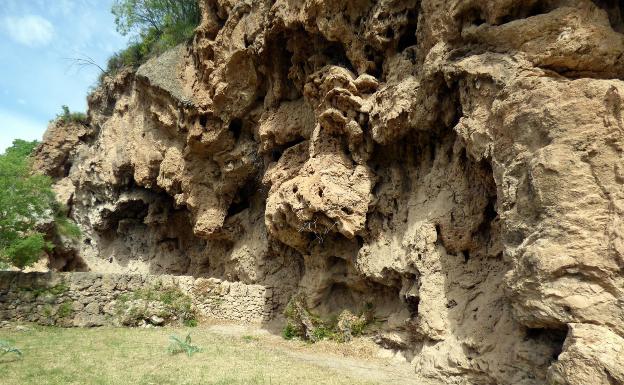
[{"x": 358, "y": 359}]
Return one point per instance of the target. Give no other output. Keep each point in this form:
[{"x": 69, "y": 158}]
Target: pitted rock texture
[{"x": 456, "y": 164}]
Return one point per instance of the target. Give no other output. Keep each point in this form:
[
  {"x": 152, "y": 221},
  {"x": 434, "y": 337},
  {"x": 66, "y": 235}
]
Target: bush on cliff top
[
  {"x": 26, "y": 200},
  {"x": 71, "y": 117},
  {"x": 157, "y": 25}
]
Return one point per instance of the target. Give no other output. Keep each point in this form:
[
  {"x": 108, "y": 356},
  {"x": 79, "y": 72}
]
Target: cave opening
[
  {"x": 277, "y": 151},
  {"x": 523, "y": 11},
  {"x": 552, "y": 337},
  {"x": 615, "y": 11},
  {"x": 408, "y": 37},
  {"x": 236, "y": 127}
]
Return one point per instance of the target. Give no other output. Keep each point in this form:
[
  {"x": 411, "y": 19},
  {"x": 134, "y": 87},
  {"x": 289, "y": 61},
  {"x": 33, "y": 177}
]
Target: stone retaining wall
[{"x": 91, "y": 299}]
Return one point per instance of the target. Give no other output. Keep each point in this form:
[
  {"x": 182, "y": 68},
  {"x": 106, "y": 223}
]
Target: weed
[
  {"x": 41, "y": 291},
  {"x": 218, "y": 301},
  {"x": 177, "y": 346},
  {"x": 58, "y": 289},
  {"x": 248, "y": 338},
  {"x": 66, "y": 309},
  {"x": 190, "y": 322},
  {"x": 47, "y": 311}
]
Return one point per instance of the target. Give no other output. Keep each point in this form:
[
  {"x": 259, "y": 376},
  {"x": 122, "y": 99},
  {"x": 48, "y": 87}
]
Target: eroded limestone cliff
[{"x": 457, "y": 164}]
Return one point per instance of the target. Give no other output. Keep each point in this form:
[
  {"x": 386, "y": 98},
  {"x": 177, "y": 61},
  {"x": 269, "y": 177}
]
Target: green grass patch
[
  {"x": 124, "y": 356},
  {"x": 248, "y": 338}
]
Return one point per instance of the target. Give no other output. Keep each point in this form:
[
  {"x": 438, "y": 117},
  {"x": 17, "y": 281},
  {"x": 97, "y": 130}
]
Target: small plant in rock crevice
[
  {"x": 65, "y": 310},
  {"x": 55, "y": 290}
]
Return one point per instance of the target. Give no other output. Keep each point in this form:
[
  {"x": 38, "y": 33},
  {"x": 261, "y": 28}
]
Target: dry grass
[{"x": 115, "y": 356}]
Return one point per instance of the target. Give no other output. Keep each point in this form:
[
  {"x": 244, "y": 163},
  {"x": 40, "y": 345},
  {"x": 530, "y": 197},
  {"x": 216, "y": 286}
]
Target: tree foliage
[
  {"x": 26, "y": 200},
  {"x": 162, "y": 16},
  {"x": 157, "y": 24}
]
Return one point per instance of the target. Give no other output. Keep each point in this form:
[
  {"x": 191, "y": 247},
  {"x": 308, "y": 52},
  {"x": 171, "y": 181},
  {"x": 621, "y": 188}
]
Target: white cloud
[{"x": 31, "y": 30}]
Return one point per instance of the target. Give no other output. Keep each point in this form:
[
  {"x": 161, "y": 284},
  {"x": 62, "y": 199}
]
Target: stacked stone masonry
[{"x": 89, "y": 299}]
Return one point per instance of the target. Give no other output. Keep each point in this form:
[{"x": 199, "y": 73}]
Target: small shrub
[
  {"x": 349, "y": 325},
  {"x": 289, "y": 332},
  {"x": 322, "y": 332},
  {"x": 65, "y": 310},
  {"x": 7, "y": 348},
  {"x": 301, "y": 323},
  {"x": 190, "y": 323},
  {"x": 176, "y": 346},
  {"x": 67, "y": 116}
]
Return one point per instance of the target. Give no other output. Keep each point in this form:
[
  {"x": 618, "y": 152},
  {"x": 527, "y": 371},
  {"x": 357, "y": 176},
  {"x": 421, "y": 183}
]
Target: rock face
[{"x": 458, "y": 165}]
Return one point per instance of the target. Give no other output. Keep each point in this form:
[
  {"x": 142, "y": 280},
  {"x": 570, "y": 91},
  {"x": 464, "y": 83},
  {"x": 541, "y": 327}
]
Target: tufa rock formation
[{"x": 456, "y": 164}]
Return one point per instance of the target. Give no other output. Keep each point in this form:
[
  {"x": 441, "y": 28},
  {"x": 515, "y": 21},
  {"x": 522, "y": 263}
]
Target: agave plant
[
  {"x": 177, "y": 345},
  {"x": 6, "y": 348}
]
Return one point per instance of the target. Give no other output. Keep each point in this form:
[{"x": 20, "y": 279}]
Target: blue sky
[{"x": 36, "y": 37}]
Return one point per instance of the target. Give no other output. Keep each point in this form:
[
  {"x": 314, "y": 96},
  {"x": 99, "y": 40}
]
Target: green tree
[
  {"x": 26, "y": 200},
  {"x": 162, "y": 16},
  {"x": 158, "y": 25}
]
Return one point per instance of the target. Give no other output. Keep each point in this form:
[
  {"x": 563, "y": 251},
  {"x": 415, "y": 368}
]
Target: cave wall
[{"x": 457, "y": 164}]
